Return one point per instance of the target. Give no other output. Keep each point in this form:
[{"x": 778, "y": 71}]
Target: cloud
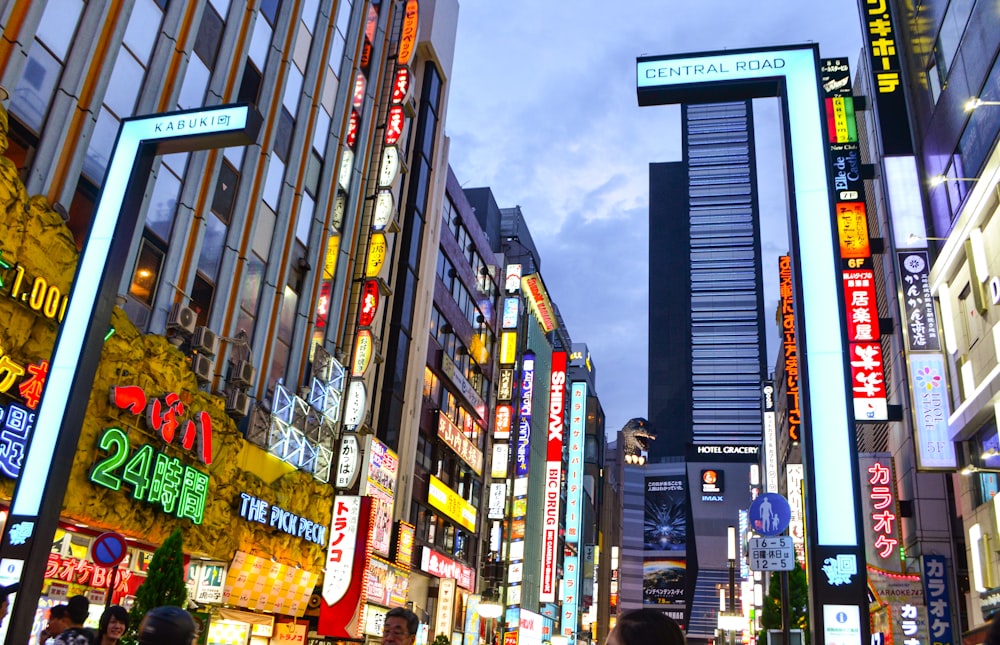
[{"x": 543, "y": 110}]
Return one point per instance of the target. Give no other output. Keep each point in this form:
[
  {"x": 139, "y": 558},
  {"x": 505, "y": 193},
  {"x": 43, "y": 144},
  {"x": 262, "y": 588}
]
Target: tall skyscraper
[
  {"x": 707, "y": 360},
  {"x": 707, "y": 355}
]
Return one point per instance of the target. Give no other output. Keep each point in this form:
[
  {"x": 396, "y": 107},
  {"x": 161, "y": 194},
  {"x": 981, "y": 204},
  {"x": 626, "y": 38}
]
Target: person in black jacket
[
  {"x": 78, "y": 609},
  {"x": 167, "y": 625}
]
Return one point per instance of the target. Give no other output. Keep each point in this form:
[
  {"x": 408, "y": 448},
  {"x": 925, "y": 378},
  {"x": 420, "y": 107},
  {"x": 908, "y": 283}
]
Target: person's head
[
  {"x": 5, "y": 598},
  {"x": 993, "y": 633},
  {"x": 77, "y": 608},
  {"x": 166, "y": 625},
  {"x": 400, "y": 627},
  {"x": 114, "y": 622},
  {"x": 646, "y": 627},
  {"x": 58, "y": 619}
]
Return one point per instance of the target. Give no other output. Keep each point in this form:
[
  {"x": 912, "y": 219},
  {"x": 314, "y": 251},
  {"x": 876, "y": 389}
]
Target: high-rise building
[
  {"x": 707, "y": 361},
  {"x": 278, "y": 289},
  {"x": 707, "y": 352},
  {"x": 932, "y": 76}
]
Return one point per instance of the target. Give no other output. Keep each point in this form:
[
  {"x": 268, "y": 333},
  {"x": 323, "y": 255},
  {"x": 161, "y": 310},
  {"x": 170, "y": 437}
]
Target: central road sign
[{"x": 772, "y": 553}]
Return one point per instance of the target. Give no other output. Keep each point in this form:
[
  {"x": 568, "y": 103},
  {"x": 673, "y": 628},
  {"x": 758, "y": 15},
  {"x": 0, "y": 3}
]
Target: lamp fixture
[
  {"x": 4, "y": 94},
  {"x": 937, "y": 180},
  {"x": 975, "y": 102},
  {"x": 913, "y": 238},
  {"x": 970, "y": 470},
  {"x": 990, "y": 452}
]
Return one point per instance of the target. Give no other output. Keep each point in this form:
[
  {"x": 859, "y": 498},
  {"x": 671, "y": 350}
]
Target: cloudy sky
[{"x": 543, "y": 110}]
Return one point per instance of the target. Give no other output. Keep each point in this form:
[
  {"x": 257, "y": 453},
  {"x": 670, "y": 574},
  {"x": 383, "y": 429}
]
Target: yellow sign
[
  {"x": 362, "y": 353},
  {"x": 377, "y": 249},
  {"x": 330, "y": 262},
  {"x": 448, "y": 502},
  {"x": 508, "y": 347}
]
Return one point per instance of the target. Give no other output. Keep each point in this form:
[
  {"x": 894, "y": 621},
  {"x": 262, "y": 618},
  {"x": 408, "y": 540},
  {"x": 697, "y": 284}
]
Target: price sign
[{"x": 772, "y": 553}]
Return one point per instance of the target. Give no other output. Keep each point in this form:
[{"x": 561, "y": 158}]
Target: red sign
[
  {"x": 360, "y": 83},
  {"x": 342, "y": 619},
  {"x": 868, "y": 381},
  {"x": 394, "y": 125},
  {"x": 441, "y": 566},
  {"x": 164, "y": 415},
  {"x": 401, "y": 85},
  {"x": 862, "y": 310},
  {"x": 352, "y": 129},
  {"x": 85, "y": 572},
  {"x": 501, "y": 429},
  {"x": 369, "y": 303}
]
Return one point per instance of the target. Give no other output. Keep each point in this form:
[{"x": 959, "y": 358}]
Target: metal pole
[{"x": 786, "y": 628}]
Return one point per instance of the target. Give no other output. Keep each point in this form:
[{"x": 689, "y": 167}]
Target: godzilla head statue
[{"x": 638, "y": 432}]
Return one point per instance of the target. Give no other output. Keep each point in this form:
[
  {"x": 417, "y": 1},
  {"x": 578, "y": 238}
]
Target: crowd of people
[
  {"x": 165, "y": 625},
  {"x": 169, "y": 625}
]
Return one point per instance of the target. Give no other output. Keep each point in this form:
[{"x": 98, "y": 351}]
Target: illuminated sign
[
  {"x": 254, "y": 509},
  {"x": 505, "y": 387},
  {"x": 405, "y": 537},
  {"x": 881, "y": 520},
  {"x": 408, "y": 34},
  {"x": 383, "y": 468},
  {"x": 389, "y": 168},
  {"x": 360, "y": 83},
  {"x": 340, "y": 552},
  {"x": 524, "y": 419},
  {"x": 501, "y": 458},
  {"x": 451, "y": 504},
  {"x": 441, "y": 566},
  {"x": 538, "y": 299},
  {"x": 346, "y": 168},
  {"x": 153, "y": 476},
  {"x": 508, "y": 347},
  {"x": 574, "y": 462},
  {"x": 444, "y": 615},
  {"x": 501, "y": 426},
  {"x": 770, "y": 440},
  {"x": 384, "y": 209},
  {"x": 369, "y": 303},
  {"x": 18, "y": 422},
  {"x": 553, "y": 477},
  {"x": 888, "y": 79},
  {"x": 512, "y": 278},
  {"x": 363, "y": 350},
  {"x": 787, "y": 313},
  {"x": 377, "y": 251},
  {"x": 165, "y": 415},
  {"x": 395, "y": 121},
  {"x": 401, "y": 86},
  {"x": 936, "y": 578},
  {"x": 348, "y": 461},
  {"x": 852, "y": 227},
  {"x": 918, "y": 304},
  {"x": 84, "y": 572},
  {"x": 846, "y": 161},
  {"x": 453, "y": 437},
  {"x": 511, "y": 308},
  {"x": 862, "y": 310},
  {"x": 354, "y": 406},
  {"x": 931, "y": 410},
  {"x": 352, "y": 129},
  {"x": 570, "y": 597},
  {"x": 497, "y": 501},
  {"x": 712, "y": 487},
  {"x": 36, "y": 293}
]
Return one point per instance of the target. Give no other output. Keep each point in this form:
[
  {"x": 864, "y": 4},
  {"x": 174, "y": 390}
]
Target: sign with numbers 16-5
[{"x": 772, "y": 553}]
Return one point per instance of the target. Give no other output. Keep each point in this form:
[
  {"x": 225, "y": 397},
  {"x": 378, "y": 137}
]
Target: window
[
  {"x": 147, "y": 272},
  {"x": 225, "y": 191},
  {"x": 202, "y": 294}
]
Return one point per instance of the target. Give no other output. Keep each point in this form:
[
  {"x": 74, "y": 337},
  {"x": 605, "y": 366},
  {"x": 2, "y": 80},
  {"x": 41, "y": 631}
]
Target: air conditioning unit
[
  {"x": 182, "y": 319},
  {"x": 243, "y": 374},
  {"x": 202, "y": 366},
  {"x": 205, "y": 341},
  {"x": 237, "y": 403}
]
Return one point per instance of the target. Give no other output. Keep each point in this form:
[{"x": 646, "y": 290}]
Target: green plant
[
  {"x": 164, "y": 584},
  {"x": 441, "y": 639},
  {"x": 798, "y": 603}
]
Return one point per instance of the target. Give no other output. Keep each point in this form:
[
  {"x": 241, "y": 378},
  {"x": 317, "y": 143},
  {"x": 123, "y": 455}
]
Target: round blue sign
[
  {"x": 108, "y": 549},
  {"x": 769, "y": 514}
]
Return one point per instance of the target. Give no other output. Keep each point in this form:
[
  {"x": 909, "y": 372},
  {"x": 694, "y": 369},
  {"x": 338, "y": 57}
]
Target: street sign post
[{"x": 772, "y": 553}]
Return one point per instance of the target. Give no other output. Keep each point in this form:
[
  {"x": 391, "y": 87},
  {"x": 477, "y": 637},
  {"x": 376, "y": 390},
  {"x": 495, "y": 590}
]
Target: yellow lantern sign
[
  {"x": 363, "y": 349},
  {"x": 378, "y": 248}
]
